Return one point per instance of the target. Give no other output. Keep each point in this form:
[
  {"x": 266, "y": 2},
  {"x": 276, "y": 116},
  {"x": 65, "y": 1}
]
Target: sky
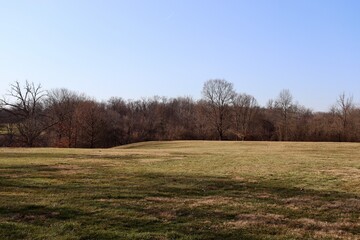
[{"x": 141, "y": 48}]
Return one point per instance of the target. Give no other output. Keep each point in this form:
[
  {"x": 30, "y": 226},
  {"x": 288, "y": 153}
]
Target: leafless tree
[
  {"x": 245, "y": 107},
  {"x": 27, "y": 105},
  {"x": 301, "y": 124},
  {"x": 284, "y": 103},
  {"x": 61, "y": 104},
  {"x": 343, "y": 111},
  {"x": 219, "y": 95},
  {"x": 120, "y": 121},
  {"x": 91, "y": 124},
  {"x": 185, "y": 113}
]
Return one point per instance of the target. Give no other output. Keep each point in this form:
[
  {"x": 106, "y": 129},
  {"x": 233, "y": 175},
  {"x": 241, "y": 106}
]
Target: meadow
[{"x": 182, "y": 190}]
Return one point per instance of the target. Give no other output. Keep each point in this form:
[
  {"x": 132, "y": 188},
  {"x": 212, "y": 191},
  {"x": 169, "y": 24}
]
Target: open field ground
[{"x": 182, "y": 190}]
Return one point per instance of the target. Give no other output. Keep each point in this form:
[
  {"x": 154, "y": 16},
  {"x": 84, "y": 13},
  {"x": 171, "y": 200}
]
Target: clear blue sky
[{"x": 134, "y": 48}]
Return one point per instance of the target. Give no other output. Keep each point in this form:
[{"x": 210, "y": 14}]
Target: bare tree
[
  {"x": 343, "y": 110},
  {"x": 185, "y": 113},
  {"x": 27, "y": 105},
  {"x": 285, "y": 104},
  {"x": 118, "y": 117},
  {"x": 219, "y": 95},
  {"x": 61, "y": 105},
  {"x": 245, "y": 107},
  {"x": 302, "y": 123},
  {"x": 91, "y": 124}
]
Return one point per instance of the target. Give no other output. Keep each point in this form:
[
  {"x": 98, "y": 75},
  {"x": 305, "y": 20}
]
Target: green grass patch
[{"x": 182, "y": 190}]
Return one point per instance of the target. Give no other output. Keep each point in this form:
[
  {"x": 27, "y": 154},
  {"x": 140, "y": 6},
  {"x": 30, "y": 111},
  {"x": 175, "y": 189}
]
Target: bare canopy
[
  {"x": 219, "y": 94},
  {"x": 26, "y": 105}
]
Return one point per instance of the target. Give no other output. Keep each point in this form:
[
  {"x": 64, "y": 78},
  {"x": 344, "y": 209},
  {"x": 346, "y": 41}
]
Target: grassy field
[{"x": 182, "y": 190}]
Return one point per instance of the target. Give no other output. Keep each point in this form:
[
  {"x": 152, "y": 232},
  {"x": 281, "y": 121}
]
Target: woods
[{"x": 33, "y": 116}]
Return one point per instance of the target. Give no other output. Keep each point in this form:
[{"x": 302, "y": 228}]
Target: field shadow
[
  {"x": 176, "y": 206},
  {"x": 219, "y": 207}
]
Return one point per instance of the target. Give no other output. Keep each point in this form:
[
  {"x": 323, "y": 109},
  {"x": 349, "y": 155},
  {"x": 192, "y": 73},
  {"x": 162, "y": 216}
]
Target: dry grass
[{"x": 182, "y": 190}]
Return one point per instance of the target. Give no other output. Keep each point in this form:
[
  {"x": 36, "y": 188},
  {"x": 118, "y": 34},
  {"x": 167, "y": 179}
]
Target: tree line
[{"x": 31, "y": 116}]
